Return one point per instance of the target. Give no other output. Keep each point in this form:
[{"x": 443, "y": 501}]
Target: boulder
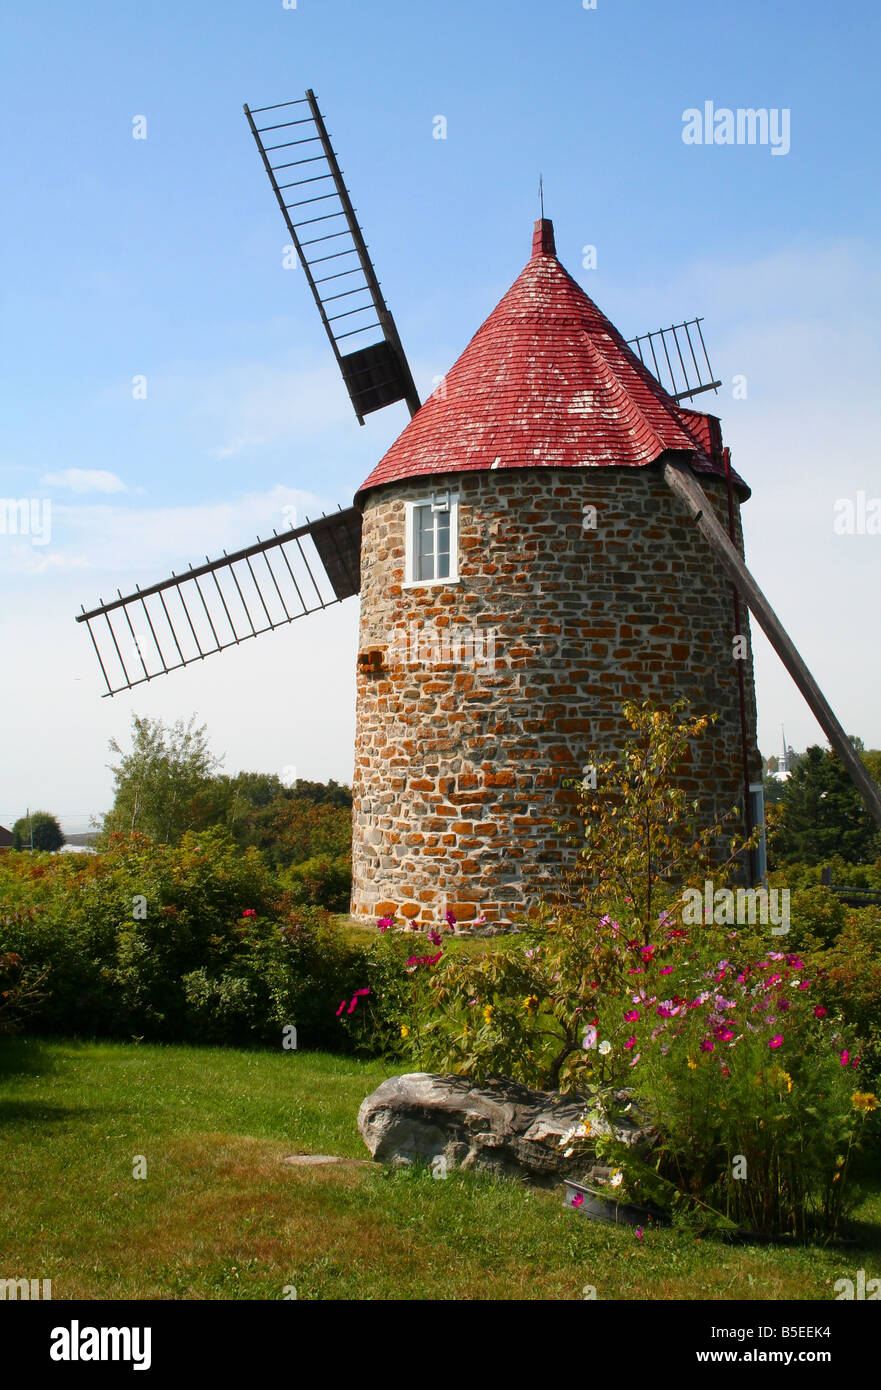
[{"x": 498, "y": 1126}]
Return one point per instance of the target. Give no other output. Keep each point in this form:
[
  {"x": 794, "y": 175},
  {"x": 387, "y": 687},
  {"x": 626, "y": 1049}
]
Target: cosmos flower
[
  {"x": 384, "y": 923},
  {"x": 589, "y": 1038},
  {"x": 776, "y": 1041},
  {"x": 631, "y": 1042},
  {"x": 578, "y": 1199},
  {"x": 631, "y": 1015},
  {"x": 819, "y": 1011},
  {"x": 605, "y": 1048}
]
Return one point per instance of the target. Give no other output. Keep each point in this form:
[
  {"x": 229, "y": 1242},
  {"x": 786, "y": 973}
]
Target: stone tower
[{"x": 524, "y": 570}]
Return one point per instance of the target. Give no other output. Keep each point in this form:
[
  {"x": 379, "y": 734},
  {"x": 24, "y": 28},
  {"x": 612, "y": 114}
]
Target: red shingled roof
[{"x": 547, "y": 382}]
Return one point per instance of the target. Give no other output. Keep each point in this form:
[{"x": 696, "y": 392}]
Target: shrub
[
  {"x": 193, "y": 942},
  {"x": 323, "y": 881}
]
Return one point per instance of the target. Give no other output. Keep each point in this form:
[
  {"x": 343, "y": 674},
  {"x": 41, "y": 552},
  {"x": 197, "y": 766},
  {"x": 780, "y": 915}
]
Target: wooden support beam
[{"x": 683, "y": 483}]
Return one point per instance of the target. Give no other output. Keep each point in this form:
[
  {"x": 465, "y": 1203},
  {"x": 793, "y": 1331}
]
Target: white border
[{"x": 453, "y": 577}]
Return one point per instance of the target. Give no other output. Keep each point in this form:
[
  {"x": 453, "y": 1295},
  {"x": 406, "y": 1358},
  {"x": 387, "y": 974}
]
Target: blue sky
[{"x": 163, "y": 257}]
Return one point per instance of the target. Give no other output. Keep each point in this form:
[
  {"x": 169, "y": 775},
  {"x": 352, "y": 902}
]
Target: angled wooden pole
[{"x": 682, "y": 482}]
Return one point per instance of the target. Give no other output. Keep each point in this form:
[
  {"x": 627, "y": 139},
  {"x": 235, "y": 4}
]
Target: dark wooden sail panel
[
  {"x": 217, "y": 605},
  {"x": 329, "y": 242}
]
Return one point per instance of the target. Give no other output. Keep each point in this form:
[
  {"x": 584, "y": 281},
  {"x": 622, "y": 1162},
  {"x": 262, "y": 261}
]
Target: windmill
[{"x": 525, "y": 510}]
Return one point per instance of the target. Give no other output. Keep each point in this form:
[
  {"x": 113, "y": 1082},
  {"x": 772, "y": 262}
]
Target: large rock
[{"x": 499, "y": 1126}]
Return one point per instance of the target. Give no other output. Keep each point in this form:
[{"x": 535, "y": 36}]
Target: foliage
[
  {"x": 40, "y": 830},
  {"x": 823, "y": 814},
  {"x": 20, "y": 991},
  {"x": 756, "y": 1092},
  {"x": 163, "y": 786},
  {"x": 194, "y": 941},
  {"x": 322, "y": 881},
  {"x": 292, "y": 830}
]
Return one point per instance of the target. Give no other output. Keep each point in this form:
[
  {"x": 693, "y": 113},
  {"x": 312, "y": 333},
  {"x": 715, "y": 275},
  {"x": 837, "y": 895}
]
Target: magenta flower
[
  {"x": 819, "y": 1011},
  {"x": 844, "y": 1058},
  {"x": 666, "y": 969},
  {"x": 340, "y": 1009},
  {"x": 249, "y": 912},
  {"x": 632, "y": 1015},
  {"x": 724, "y": 1033},
  {"x": 707, "y": 1045},
  {"x": 578, "y": 1199},
  {"x": 647, "y": 952},
  {"x": 450, "y": 917},
  {"x": 636, "y": 1059},
  {"x": 435, "y": 938},
  {"x": 804, "y": 984},
  {"x": 631, "y": 1042},
  {"x": 776, "y": 1041},
  {"x": 639, "y": 1233}
]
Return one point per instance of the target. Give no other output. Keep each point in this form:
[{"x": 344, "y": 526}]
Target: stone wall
[{"x": 463, "y": 743}]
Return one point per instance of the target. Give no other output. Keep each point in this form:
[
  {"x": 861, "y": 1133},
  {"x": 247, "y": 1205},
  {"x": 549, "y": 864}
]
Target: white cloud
[{"x": 85, "y": 480}]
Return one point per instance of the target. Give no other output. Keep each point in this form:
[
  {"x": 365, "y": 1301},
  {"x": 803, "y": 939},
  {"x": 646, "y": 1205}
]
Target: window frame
[{"x": 410, "y": 535}]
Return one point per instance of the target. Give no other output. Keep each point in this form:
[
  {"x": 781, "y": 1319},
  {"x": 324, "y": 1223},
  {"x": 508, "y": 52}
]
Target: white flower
[
  {"x": 568, "y": 1153},
  {"x": 617, "y": 1178},
  {"x": 605, "y": 1047}
]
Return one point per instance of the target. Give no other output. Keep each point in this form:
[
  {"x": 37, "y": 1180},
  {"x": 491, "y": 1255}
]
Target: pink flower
[
  {"x": 578, "y": 1199},
  {"x": 636, "y": 1059},
  {"x": 776, "y": 1041},
  {"x": 637, "y": 970},
  {"x": 819, "y": 1011},
  {"x": 707, "y": 1045},
  {"x": 589, "y": 1038},
  {"x": 435, "y": 938},
  {"x": 250, "y": 912},
  {"x": 639, "y": 1233},
  {"x": 632, "y": 1015},
  {"x": 340, "y": 1009},
  {"x": 450, "y": 917},
  {"x": 647, "y": 952},
  {"x": 355, "y": 997},
  {"x": 666, "y": 969},
  {"x": 844, "y": 1057},
  {"x": 804, "y": 984},
  {"x": 724, "y": 1033},
  {"x": 631, "y": 1042}
]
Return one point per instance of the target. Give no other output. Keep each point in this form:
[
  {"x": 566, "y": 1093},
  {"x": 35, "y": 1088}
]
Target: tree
[
  {"x": 165, "y": 785},
  {"x": 39, "y": 830},
  {"x": 823, "y": 814}
]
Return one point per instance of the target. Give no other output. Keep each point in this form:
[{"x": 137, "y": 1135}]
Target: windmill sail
[
  {"x": 678, "y": 357},
  {"x": 334, "y": 256},
  {"x": 224, "y": 602}
]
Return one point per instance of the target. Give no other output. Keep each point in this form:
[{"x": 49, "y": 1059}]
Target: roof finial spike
[{"x": 541, "y": 198}]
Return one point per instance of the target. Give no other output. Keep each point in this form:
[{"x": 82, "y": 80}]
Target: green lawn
[{"x": 220, "y": 1216}]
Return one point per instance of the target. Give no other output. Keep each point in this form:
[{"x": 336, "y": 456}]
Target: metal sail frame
[
  {"x": 671, "y": 365},
  {"x": 168, "y": 632},
  {"x": 376, "y": 374}
]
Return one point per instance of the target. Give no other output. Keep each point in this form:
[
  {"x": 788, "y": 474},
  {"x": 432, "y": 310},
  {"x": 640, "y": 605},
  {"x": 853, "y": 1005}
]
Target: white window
[{"x": 432, "y": 525}]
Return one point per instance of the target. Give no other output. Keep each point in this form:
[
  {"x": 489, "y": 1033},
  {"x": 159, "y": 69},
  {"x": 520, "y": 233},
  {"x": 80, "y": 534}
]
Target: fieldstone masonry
[{"x": 460, "y": 760}]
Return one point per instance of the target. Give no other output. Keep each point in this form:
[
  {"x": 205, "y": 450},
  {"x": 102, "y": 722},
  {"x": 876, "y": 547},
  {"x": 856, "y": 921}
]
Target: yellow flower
[
  {"x": 865, "y": 1101},
  {"x": 404, "y": 1030},
  {"x": 488, "y": 1013},
  {"x": 692, "y": 1065},
  {"x": 530, "y": 1003},
  {"x": 788, "y": 1079}
]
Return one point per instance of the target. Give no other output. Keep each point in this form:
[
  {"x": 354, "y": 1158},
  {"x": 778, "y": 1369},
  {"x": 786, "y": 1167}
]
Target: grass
[{"x": 219, "y": 1216}]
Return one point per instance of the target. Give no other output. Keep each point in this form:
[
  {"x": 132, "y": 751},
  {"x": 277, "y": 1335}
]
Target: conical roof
[{"x": 547, "y": 382}]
